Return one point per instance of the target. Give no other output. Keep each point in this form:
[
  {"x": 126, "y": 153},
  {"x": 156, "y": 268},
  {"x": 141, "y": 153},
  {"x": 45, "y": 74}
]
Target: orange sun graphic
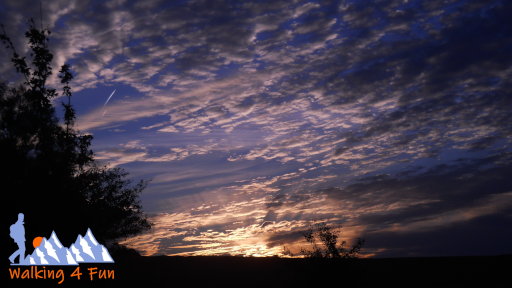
[{"x": 37, "y": 241}]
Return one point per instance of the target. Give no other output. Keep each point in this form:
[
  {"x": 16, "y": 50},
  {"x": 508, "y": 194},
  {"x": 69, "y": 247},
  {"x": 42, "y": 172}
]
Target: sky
[{"x": 254, "y": 120}]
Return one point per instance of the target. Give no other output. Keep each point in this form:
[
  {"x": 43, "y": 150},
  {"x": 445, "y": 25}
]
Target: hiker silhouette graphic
[{"x": 18, "y": 234}]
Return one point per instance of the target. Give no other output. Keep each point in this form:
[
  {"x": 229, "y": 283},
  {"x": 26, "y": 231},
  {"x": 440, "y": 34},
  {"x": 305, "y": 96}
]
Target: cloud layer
[{"x": 256, "y": 119}]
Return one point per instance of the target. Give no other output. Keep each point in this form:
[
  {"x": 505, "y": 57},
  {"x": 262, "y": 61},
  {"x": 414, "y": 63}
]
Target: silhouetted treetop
[
  {"x": 332, "y": 248},
  {"x": 48, "y": 170}
]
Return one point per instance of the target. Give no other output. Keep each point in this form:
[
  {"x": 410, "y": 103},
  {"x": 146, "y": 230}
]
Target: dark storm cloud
[
  {"x": 445, "y": 204},
  {"x": 444, "y": 183},
  {"x": 485, "y": 235}
]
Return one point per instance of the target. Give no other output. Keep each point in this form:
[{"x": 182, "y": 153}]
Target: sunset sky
[{"x": 256, "y": 119}]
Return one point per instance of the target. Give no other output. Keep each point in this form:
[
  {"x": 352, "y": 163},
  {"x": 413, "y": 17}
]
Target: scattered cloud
[{"x": 338, "y": 111}]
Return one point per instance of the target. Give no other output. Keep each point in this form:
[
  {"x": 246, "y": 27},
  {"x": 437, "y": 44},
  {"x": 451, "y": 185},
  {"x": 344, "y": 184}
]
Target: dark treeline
[{"x": 47, "y": 170}]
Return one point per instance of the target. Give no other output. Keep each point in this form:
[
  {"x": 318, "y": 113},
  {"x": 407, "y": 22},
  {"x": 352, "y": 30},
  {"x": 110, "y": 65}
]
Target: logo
[{"x": 50, "y": 252}]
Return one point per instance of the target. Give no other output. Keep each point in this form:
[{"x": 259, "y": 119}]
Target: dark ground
[{"x": 162, "y": 271}]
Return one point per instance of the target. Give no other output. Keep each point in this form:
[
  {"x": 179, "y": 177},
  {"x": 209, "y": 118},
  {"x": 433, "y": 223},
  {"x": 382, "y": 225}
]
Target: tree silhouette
[
  {"x": 329, "y": 239},
  {"x": 47, "y": 169}
]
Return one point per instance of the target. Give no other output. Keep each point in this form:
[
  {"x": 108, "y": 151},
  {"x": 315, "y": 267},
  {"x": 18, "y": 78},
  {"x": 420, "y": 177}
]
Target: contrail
[{"x": 108, "y": 99}]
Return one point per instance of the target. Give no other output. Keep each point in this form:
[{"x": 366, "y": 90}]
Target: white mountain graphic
[{"x": 86, "y": 249}]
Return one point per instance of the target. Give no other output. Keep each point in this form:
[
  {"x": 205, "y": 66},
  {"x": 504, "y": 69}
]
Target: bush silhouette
[
  {"x": 329, "y": 244},
  {"x": 48, "y": 170}
]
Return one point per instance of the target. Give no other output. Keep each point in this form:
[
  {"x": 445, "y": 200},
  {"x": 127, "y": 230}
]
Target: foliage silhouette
[
  {"x": 329, "y": 239},
  {"x": 48, "y": 169}
]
